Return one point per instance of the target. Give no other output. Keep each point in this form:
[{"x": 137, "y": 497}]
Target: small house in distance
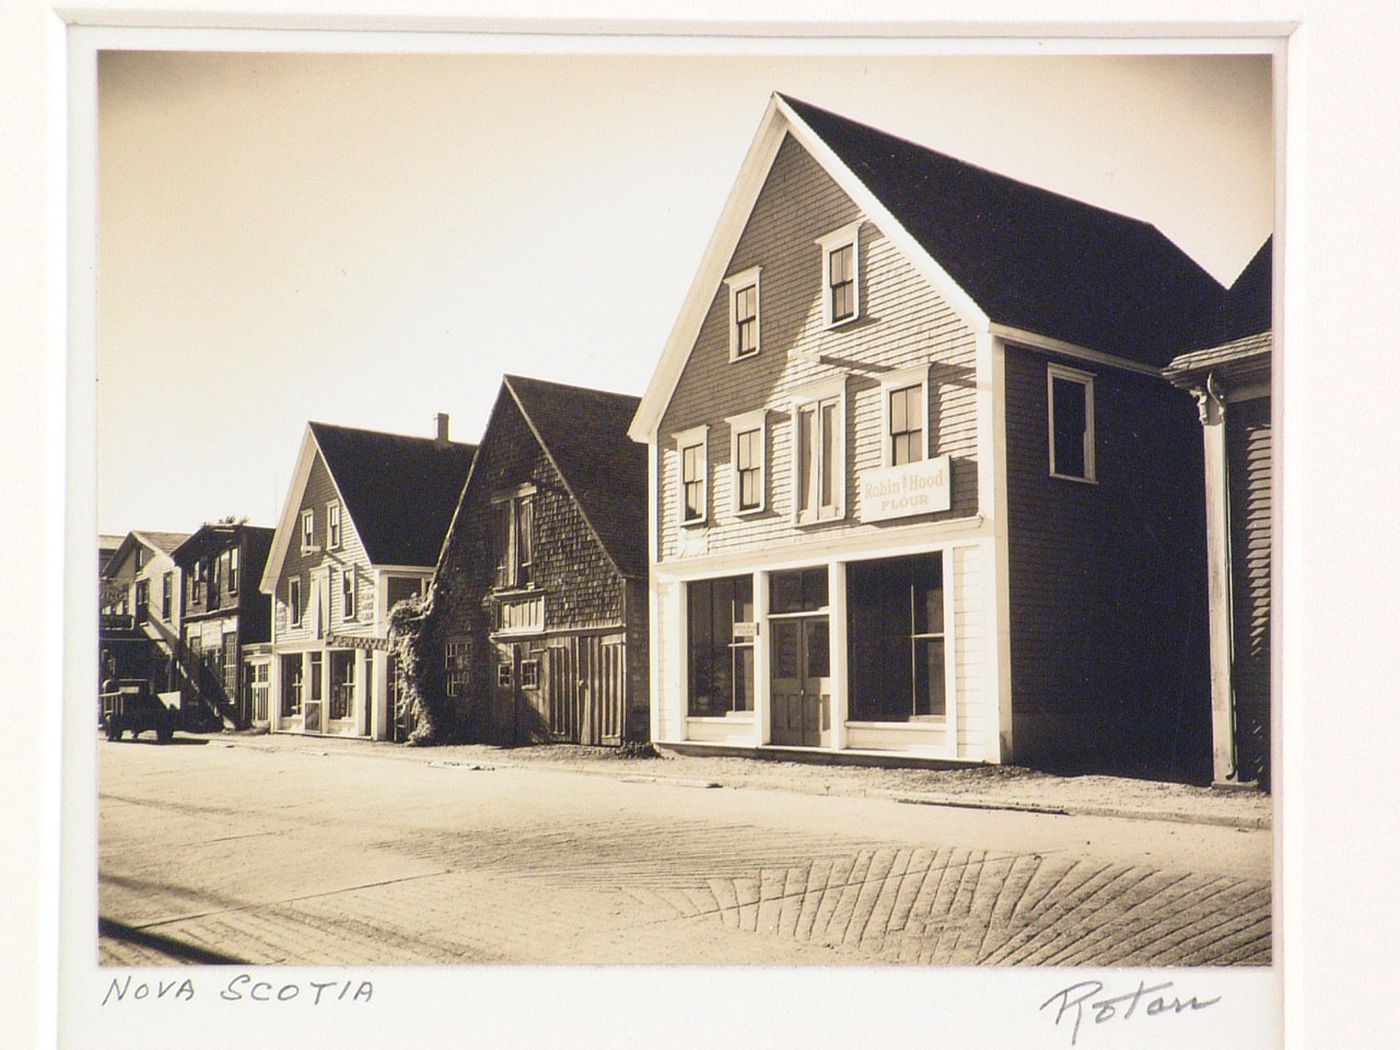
[
  {"x": 224, "y": 617},
  {"x": 920, "y": 490},
  {"x": 139, "y": 630},
  {"x": 539, "y": 611},
  {"x": 361, "y": 528}
]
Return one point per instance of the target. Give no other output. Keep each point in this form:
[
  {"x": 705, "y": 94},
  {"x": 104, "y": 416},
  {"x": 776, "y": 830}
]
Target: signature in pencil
[{"x": 1145, "y": 1001}]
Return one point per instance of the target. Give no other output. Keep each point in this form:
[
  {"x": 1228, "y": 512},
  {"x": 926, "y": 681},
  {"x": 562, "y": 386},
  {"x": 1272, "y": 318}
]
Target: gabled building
[
  {"x": 223, "y": 615},
  {"x": 1230, "y": 375},
  {"x": 918, "y": 486},
  {"x": 361, "y": 529},
  {"x": 540, "y": 597},
  {"x": 140, "y": 622}
]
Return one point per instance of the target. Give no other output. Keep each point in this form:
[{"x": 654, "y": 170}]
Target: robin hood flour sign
[{"x": 905, "y": 490}]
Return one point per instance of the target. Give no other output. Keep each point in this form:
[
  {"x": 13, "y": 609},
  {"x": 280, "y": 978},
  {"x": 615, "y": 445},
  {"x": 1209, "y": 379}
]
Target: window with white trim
[
  {"x": 349, "y": 593},
  {"x": 819, "y": 459},
  {"x": 458, "y": 664},
  {"x": 529, "y": 674},
  {"x": 232, "y": 576},
  {"x": 692, "y": 448},
  {"x": 513, "y": 538},
  {"x": 841, "y": 275},
  {"x": 1070, "y": 406},
  {"x": 906, "y": 433},
  {"x": 308, "y": 530},
  {"x": 332, "y": 526},
  {"x": 743, "y": 313},
  {"x": 294, "y": 609},
  {"x": 748, "y": 453}
]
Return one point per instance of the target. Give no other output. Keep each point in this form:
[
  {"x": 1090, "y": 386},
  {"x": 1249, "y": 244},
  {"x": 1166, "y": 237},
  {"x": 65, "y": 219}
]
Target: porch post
[{"x": 1210, "y": 400}]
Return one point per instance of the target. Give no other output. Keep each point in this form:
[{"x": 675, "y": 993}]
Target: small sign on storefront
[
  {"x": 905, "y": 490},
  {"x": 745, "y": 630}
]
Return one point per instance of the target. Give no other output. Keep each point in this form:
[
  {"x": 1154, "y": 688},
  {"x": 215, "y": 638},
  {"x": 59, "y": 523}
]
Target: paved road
[{"x": 210, "y": 853}]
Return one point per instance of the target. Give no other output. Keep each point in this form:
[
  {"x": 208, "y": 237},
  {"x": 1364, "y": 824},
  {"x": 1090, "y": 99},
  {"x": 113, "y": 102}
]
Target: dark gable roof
[
  {"x": 166, "y": 541},
  {"x": 215, "y": 535},
  {"x": 1031, "y": 258},
  {"x": 1249, "y": 302},
  {"x": 585, "y": 433},
  {"x": 399, "y": 491}
]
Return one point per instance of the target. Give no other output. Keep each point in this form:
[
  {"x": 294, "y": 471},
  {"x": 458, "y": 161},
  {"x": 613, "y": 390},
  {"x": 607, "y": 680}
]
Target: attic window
[
  {"x": 841, "y": 275},
  {"x": 332, "y": 526},
  {"x": 743, "y": 313},
  {"x": 1070, "y": 408},
  {"x": 308, "y": 531}
]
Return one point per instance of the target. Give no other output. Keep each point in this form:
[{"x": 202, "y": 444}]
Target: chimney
[{"x": 442, "y": 422}]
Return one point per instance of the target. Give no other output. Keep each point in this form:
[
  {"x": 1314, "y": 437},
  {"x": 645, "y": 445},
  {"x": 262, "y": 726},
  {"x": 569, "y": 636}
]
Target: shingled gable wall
[
  {"x": 582, "y": 588},
  {"x": 903, "y": 322},
  {"x": 1107, "y": 580}
]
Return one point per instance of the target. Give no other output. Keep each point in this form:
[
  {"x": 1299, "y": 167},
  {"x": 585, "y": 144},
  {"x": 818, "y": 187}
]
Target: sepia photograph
[{"x": 755, "y": 507}]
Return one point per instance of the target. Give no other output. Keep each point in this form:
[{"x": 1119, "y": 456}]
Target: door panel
[{"x": 801, "y": 682}]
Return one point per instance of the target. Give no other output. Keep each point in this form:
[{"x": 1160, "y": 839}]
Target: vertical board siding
[
  {"x": 903, "y": 322},
  {"x": 972, "y": 640},
  {"x": 319, "y": 491},
  {"x": 582, "y": 589},
  {"x": 1249, "y": 435},
  {"x": 1107, "y": 580}
]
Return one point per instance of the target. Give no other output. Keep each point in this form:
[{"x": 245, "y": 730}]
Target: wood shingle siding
[
  {"x": 1249, "y": 434},
  {"x": 1107, "y": 600},
  {"x": 903, "y": 322}
]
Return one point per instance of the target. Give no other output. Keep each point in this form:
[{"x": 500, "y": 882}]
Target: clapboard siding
[
  {"x": 1106, "y": 580},
  {"x": 903, "y": 322},
  {"x": 1249, "y": 434},
  {"x": 319, "y": 491},
  {"x": 973, "y": 639}
]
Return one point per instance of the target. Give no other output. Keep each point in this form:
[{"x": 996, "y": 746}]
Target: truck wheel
[{"x": 113, "y": 727}]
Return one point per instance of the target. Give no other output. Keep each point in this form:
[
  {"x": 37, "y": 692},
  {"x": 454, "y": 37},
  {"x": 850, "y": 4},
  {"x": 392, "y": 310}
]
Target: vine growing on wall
[{"x": 410, "y": 635}]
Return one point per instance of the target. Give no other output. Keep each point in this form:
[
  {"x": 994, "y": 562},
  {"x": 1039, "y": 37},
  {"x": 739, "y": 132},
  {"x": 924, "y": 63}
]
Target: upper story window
[
  {"x": 231, "y": 556},
  {"x": 140, "y": 558},
  {"x": 348, "y": 593},
  {"x": 513, "y": 538},
  {"x": 1070, "y": 394},
  {"x": 215, "y": 580},
  {"x": 693, "y": 448},
  {"x": 748, "y": 452},
  {"x": 294, "y": 609},
  {"x": 743, "y": 313},
  {"x": 819, "y": 462},
  {"x": 906, "y": 415},
  {"x": 841, "y": 275},
  {"x": 308, "y": 531},
  {"x": 332, "y": 526},
  {"x": 167, "y": 595}
]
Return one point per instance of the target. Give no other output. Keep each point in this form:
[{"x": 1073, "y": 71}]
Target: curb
[{"x": 912, "y": 798}]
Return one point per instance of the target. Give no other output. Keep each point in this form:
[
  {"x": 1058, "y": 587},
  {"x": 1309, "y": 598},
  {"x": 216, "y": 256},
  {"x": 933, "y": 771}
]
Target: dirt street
[{"x": 229, "y": 854}]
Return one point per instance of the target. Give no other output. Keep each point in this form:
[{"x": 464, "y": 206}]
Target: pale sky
[{"x": 368, "y": 240}]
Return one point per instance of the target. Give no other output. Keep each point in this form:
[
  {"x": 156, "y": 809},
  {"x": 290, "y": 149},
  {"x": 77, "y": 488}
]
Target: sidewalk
[{"x": 989, "y": 787}]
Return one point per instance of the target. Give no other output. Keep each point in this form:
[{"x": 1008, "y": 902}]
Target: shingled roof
[
  {"x": 1031, "y": 258},
  {"x": 399, "y": 491},
  {"x": 584, "y": 433}
]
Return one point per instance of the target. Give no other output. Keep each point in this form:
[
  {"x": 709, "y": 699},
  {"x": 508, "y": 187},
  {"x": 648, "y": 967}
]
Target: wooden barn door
[
  {"x": 561, "y": 683},
  {"x": 585, "y": 684}
]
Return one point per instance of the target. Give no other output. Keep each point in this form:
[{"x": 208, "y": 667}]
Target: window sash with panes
[
  {"x": 332, "y": 526},
  {"x": 167, "y": 596},
  {"x": 342, "y": 700},
  {"x": 215, "y": 581},
  {"x": 748, "y": 467},
  {"x": 294, "y": 609},
  {"x": 513, "y": 541},
  {"x": 906, "y": 425},
  {"x": 457, "y": 655},
  {"x": 1071, "y": 424},
  {"x": 819, "y": 467},
  {"x": 897, "y": 639},
  {"x": 349, "y": 587},
  {"x": 308, "y": 530},
  {"x": 693, "y": 483},
  {"x": 231, "y": 555},
  {"x": 720, "y": 665},
  {"x": 746, "y": 321},
  {"x": 841, "y": 282},
  {"x": 529, "y": 674}
]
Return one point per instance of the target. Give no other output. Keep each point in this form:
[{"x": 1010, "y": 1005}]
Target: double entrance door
[{"x": 801, "y": 681}]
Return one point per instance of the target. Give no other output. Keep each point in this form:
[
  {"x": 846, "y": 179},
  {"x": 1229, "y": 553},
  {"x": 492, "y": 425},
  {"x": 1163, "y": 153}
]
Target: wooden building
[
  {"x": 222, "y": 614},
  {"x": 540, "y": 598},
  {"x": 1231, "y": 379},
  {"x": 918, "y": 486},
  {"x": 360, "y": 530},
  {"x": 139, "y": 629}
]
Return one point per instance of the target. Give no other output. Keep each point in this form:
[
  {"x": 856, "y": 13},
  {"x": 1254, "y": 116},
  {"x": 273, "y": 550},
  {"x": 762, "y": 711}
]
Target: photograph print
[{"x": 720, "y": 509}]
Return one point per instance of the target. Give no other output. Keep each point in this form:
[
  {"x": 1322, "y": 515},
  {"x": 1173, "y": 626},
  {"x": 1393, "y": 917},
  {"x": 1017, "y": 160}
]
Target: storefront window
[
  {"x": 342, "y": 683},
  {"x": 802, "y": 590},
  {"x": 720, "y": 623},
  {"x": 896, "y": 631},
  {"x": 291, "y": 685}
]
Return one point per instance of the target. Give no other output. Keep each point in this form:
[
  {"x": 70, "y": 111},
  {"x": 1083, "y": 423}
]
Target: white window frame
[
  {"x": 737, "y": 283},
  {"x": 296, "y": 611},
  {"x": 456, "y": 657},
  {"x": 232, "y": 575},
  {"x": 1086, "y": 381},
  {"x": 349, "y": 594},
  {"x": 815, "y": 393},
  {"x": 692, "y": 438},
  {"x": 333, "y": 534},
  {"x": 308, "y": 530},
  {"x": 902, "y": 380},
  {"x": 845, "y": 236},
  {"x": 746, "y": 423}
]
